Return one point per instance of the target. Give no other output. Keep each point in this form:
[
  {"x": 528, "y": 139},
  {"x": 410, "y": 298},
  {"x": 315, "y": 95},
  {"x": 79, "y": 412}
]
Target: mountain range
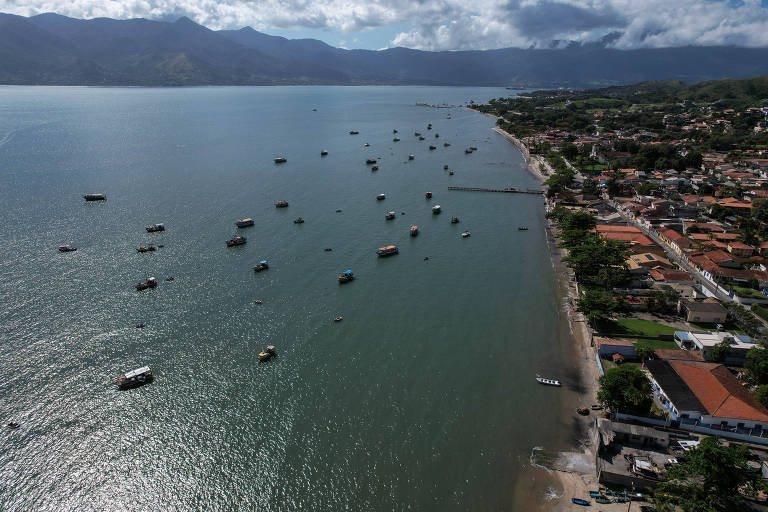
[{"x": 49, "y": 49}]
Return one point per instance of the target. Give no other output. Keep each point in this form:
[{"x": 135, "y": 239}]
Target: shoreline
[{"x": 553, "y": 491}]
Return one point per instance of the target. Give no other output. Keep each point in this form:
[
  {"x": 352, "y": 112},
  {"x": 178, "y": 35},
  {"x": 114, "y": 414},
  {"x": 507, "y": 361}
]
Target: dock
[{"x": 510, "y": 190}]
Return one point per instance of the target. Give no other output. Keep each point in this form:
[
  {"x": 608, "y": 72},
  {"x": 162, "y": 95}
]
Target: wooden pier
[{"x": 510, "y": 190}]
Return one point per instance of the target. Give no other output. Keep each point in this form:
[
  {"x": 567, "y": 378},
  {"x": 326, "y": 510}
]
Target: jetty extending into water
[{"x": 510, "y": 190}]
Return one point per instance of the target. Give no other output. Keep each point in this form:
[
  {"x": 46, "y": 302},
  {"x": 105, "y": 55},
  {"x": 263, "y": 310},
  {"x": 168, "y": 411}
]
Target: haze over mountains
[{"x": 49, "y": 49}]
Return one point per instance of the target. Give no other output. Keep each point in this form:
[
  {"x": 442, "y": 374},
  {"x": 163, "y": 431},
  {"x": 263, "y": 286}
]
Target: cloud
[{"x": 457, "y": 24}]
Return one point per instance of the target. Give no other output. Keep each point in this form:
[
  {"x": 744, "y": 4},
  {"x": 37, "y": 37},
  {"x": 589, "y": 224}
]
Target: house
[
  {"x": 740, "y": 249},
  {"x": 662, "y": 275},
  {"x": 642, "y": 263},
  {"x": 723, "y": 259},
  {"x": 703, "y": 312},
  {"x": 629, "y": 455},
  {"x": 705, "y": 394},
  {"x": 704, "y": 341},
  {"x": 607, "y": 347}
]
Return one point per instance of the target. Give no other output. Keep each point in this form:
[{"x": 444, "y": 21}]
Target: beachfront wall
[{"x": 611, "y": 479}]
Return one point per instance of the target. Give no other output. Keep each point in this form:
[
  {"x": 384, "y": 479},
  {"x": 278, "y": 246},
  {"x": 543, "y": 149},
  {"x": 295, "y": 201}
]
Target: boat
[
  {"x": 280, "y": 160},
  {"x": 281, "y": 204},
  {"x": 135, "y": 378},
  {"x": 375, "y": 167},
  {"x": 592, "y": 494},
  {"x": 394, "y": 131},
  {"x": 67, "y": 248},
  {"x": 238, "y": 240},
  {"x": 298, "y": 220},
  {"x": 262, "y": 265},
  {"x": 437, "y": 135},
  {"x": 583, "y": 411},
  {"x": 454, "y": 220},
  {"x": 428, "y": 195},
  {"x": 338, "y": 319},
  {"x": 445, "y": 145},
  {"x": 324, "y": 152},
  {"x": 596, "y": 407},
  {"x": 353, "y": 132},
  {"x": 381, "y": 197},
  {"x": 635, "y": 496},
  {"x": 389, "y": 215},
  {"x": 579, "y": 501},
  {"x": 414, "y": 230},
  {"x": 95, "y": 197},
  {"x": 436, "y": 209},
  {"x": 13, "y": 425},
  {"x": 396, "y": 139},
  {"x": 548, "y": 382},
  {"x": 466, "y": 234},
  {"x": 328, "y": 249},
  {"x": 467, "y": 151},
  {"x": 522, "y": 228},
  {"x": 421, "y": 138},
  {"x": 432, "y": 148},
  {"x": 244, "y": 223},
  {"x": 170, "y": 279},
  {"x": 388, "y": 250},
  {"x": 602, "y": 499},
  {"x": 149, "y": 283},
  {"x": 445, "y": 167},
  {"x": 146, "y": 248},
  {"x": 366, "y": 145},
  {"x": 411, "y": 157},
  {"x": 346, "y": 276},
  {"x": 370, "y": 161},
  {"x": 139, "y": 326},
  {"x": 155, "y": 228},
  {"x": 429, "y": 126},
  {"x": 416, "y": 134},
  {"x": 267, "y": 354},
  {"x": 450, "y": 173},
  {"x": 473, "y": 148}
]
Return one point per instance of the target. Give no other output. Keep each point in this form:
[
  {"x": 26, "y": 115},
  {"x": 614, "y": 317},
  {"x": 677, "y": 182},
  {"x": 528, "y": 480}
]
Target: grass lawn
[
  {"x": 658, "y": 344},
  {"x": 728, "y": 327},
  {"x": 607, "y": 363},
  {"x": 593, "y": 167},
  {"x": 748, "y": 292},
  {"x": 638, "y": 327}
]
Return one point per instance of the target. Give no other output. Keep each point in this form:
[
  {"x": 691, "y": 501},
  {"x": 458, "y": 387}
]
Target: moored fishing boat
[
  {"x": 370, "y": 161},
  {"x": 280, "y": 160},
  {"x": 414, "y": 230},
  {"x": 346, "y": 276},
  {"x": 375, "y": 167},
  {"x": 450, "y": 173},
  {"x": 454, "y": 220},
  {"x": 353, "y": 132},
  {"x": 135, "y": 378},
  {"x": 67, "y": 248},
  {"x": 262, "y": 265},
  {"x": 381, "y": 197},
  {"x": 238, "y": 240},
  {"x": 267, "y": 354},
  {"x": 548, "y": 382},
  {"x": 522, "y": 228},
  {"x": 436, "y": 209},
  {"x": 244, "y": 223},
  {"x": 95, "y": 197},
  {"x": 389, "y": 215},
  {"x": 388, "y": 250},
  {"x": 281, "y": 204},
  {"x": 155, "y": 228},
  {"x": 146, "y": 248},
  {"x": 298, "y": 220},
  {"x": 428, "y": 195},
  {"x": 396, "y": 139},
  {"x": 324, "y": 152},
  {"x": 467, "y": 151},
  {"x": 445, "y": 145},
  {"x": 466, "y": 234},
  {"x": 149, "y": 283},
  {"x": 432, "y": 148},
  {"x": 411, "y": 157}
]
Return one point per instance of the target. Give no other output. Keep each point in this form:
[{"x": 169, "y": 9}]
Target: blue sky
[{"x": 451, "y": 24}]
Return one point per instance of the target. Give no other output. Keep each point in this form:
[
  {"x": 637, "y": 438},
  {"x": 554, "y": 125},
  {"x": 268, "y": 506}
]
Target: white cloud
[{"x": 457, "y": 24}]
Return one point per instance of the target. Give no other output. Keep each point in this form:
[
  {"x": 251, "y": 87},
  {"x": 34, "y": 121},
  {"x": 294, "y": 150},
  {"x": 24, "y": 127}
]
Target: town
[{"x": 657, "y": 196}]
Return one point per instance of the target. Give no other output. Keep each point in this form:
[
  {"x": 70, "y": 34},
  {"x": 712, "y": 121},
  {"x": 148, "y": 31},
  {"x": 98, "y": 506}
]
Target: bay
[{"x": 422, "y": 398}]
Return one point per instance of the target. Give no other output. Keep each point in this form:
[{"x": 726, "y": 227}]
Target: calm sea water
[{"x": 423, "y": 398}]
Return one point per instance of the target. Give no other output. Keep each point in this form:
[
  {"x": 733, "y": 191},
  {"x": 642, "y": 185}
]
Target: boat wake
[{"x": 8, "y": 138}]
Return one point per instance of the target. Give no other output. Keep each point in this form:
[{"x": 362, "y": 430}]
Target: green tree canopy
[
  {"x": 625, "y": 389},
  {"x": 761, "y": 395},
  {"x": 644, "y": 350},
  {"x": 757, "y": 364},
  {"x": 597, "y": 305}
]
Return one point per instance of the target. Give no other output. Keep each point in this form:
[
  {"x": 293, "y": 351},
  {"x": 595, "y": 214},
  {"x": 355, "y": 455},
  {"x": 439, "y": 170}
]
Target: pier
[{"x": 510, "y": 190}]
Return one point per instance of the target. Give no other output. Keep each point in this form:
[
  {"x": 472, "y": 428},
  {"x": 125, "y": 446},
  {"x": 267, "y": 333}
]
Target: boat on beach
[
  {"x": 244, "y": 223},
  {"x": 135, "y": 378},
  {"x": 281, "y": 204},
  {"x": 388, "y": 250},
  {"x": 238, "y": 240},
  {"x": 262, "y": 265},
  {"x": 155, "y": 228},
  {"x": 546, "y": 381},
  {"x": 579, "y": 501},
  {"x": 267, "y": 354},
  {"x": 149, "y": 283},
  {"x": 436, "y": 209},
  {"x": 414, "y": 230},
  {"x": 389, "y": 215},
  {"x": 95, "y": 197},
  {"x": 67, "y": 248},
  {"x": 346, "y": 276}
]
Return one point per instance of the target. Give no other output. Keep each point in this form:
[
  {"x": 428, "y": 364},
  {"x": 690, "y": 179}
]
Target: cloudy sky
[{"x": 451, "y": 24}]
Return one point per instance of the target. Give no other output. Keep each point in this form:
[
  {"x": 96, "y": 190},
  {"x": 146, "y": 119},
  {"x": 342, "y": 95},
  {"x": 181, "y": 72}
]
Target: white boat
[{"x": 548, "y": 382}]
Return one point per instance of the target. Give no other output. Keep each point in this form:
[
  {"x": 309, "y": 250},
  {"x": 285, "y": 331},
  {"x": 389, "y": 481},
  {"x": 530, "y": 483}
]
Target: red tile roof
[
  {"x": 669, "y": 275},
  {"x": 606, "y": 228},
  {"x": 680, "y": 355}
]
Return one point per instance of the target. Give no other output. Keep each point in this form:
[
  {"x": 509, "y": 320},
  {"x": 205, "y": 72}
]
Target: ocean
[{"x": 422, "y": 398}]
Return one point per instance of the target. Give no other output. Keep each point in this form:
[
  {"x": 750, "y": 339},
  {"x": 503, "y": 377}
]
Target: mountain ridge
[{"x": 51, "y": 49}]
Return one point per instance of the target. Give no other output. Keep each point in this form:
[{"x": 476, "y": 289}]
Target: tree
[
  {"x": 757, "y": 364},
  {"x": 720, "y": 351},
  {"x": 761, "y": 395},
  {"x": 590, "y": 187},
  {"x": 625, "y": 389},
  {"x": 644, "y": 350},
  {"x": 597, "y": 305},
  {"x": 709, "y": 479}
]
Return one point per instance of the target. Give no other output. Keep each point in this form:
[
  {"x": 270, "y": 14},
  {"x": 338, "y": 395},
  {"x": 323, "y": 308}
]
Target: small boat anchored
[
  {"x": 299, "y": 220},
  {"x": 381, "y": 197},
  {"x": 548, "y": 382},
  {"x": 262, "y": 265},
  {"x": 324, "y": 152},
  {"x": 155, "y": 228},
  {"x": 370, "y": 161},
  {"x": 353, "y": 132},
  {"x": 346, "y": 276},
  {"x": 388, "y": 250},
  {"x": 522, "y": 228},
  {"x": 149, "y": 283},
  {"x": 436, "y": 209},
  {"x": 95, "y": 197},
  {"x": 466, "y": 234},
  {"x": 280, "y": 160},
  {"x": 238, "y": 240},
  {"x": 135, "y": 378},
  {"x": 281, "y": 204},
  {"x": 389, "y": 215},
  {"x": 414, "y": 230},
  {"x": 411, "y": 157},
  {"x": 267, "y": 354},
  {"x": 338, "y": 319},
  {"x": 454, "y": 220},
  {"x": 146, "y": 248},
  {"x": 67, "y": 248},
  {"x": 244, "y": 223},
  {"x": 428, "y": 195}
]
